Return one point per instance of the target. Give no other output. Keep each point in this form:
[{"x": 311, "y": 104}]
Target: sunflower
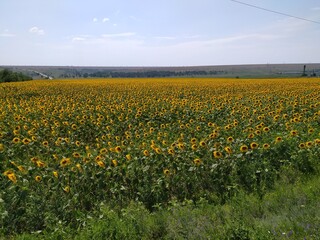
[
  {"x": 254, "y": 145},
  {"x": 65, "y": 162},
  {"x": 158, "y": 150},
  {"x": 38, "y": 178},
  {"x": 202, "y": 143},
  {"x": 217, "y": 154},
  {"x": 78, "y": 165},
  {"x": 114, "y": 162},
  {"x": 193, "y": 140},
  {"x": 302, "y": 145},
  {"x": 118, "y": 149},
  {"x": 294, "y": 133},
  {"x": 16, "y": 140},
  {"x": 197, "y": 161},
  {"x": 266, "y": 146},
  {"x": 55, "y": 174},
  {"x": 146, "y": 153},
  {"x": 76, "y": 155},
  {"x": 230, "y": 139},
  {"x": 244, "y": 148},
  {"x": 40, "y": 164},
  {"x": 103, "y": 151},
  {"x": 278, "y": 139},
  {"x": 21, "y": 169},
  {"x": 181, "y": 146},
  {"x": 251, "y": 135},
  {"x": 311, "y": 130},
  {"x": 266, "y": 129},
  {"x": 171, "y": 151},
  {"x": 66, "y": 189},
  {"x": 194, "y": 147},
  {"x": 12, "y": 177},
  {"x": 228, "y": 149},
  {"x": 101, "y": 164},
  {"x": 309, "y": 144},
  {"x": 166, "y": 172},
  {"x": 210, "y": 124}
]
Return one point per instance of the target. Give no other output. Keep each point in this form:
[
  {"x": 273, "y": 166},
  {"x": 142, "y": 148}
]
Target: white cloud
[
  {"x": 105, "y": 19},
  {"x": 78, "y": 39},
  {"x": 36, "y": 30},
  {"x": 315, "y": 9},
  {"x": 244, "y": 37},
  {"x": 165, "y": 38},
  {"x": 95, "y": 19},
  {"x": 6, "y": 33},
  {"x": 116, "y": 35}
]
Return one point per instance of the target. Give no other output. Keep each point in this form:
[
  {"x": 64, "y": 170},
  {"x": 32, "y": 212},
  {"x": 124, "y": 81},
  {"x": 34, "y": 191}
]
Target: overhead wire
[{"x": 269, "y": 10}]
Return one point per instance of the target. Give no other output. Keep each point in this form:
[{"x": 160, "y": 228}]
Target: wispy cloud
[
  {"x": 91, "y": 39},
  {"x": 165, "y": 37},
  {"x": 36, "y": 30},
  {"x": 182, "y": 38},
  {"x": 238, "y": 38},
  {"x": 315, "y": 9},
  {"x": 78, "y": 39},
  {"x": 192, "y": 36},
  {"x": 6, "y": 33},
  {"x": 116, "y": 35},
  {"x": 105, "y": 19}
]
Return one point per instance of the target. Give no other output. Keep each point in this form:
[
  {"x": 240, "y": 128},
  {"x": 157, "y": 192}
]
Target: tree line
[
  {"x": 9, "y": 76},
  {"x": 149, "y": 74}
]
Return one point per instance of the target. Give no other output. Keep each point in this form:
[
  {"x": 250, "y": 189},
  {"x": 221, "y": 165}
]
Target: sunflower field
[{"x": 68, "y": 146}]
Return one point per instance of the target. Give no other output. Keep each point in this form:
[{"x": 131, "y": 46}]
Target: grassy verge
[{"x": 291, "y": 210}]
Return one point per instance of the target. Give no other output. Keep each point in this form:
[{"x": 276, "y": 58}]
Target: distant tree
[
  {"x": 304, "y": 71},
  {"x": 8, "y": 76}
]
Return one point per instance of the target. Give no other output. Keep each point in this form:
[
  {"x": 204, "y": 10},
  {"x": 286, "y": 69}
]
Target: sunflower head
[
  {"x": 38, "y": 178},
  {"x": 228, "y": 149},
  {"x": 65, "y": 162},
  {"x": 266, "y": 146},
  {"x": 118, "y": 149},
  {"x": 244, "y": 148},
  {"x": 166, "y": 172},
  {"x": 217, "y": 154},
  {"x": 197, "y": 161},
  {"x": 254, "y": 145}
]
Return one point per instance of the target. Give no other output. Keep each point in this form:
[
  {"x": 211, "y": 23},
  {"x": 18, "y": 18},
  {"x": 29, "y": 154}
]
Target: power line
[{"x": 281, "y": 13}]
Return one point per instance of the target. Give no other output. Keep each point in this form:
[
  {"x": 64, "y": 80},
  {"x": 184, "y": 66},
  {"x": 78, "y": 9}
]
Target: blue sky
[{"x": 157, "y": 33}]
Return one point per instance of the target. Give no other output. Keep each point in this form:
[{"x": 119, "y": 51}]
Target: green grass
[{"x": 290, "y": 211}]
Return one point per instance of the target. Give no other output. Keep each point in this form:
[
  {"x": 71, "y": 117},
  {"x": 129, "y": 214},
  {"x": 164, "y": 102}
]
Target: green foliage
[
  {"x": 198, "y": 163},
  {"x": 9, "y": 76},
  {"x": 289, "y": 211}
]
